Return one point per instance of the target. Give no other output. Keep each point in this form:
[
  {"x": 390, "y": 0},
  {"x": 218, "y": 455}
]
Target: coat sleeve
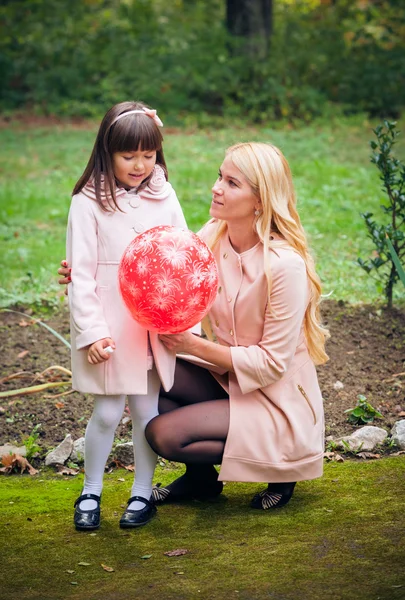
[
  {"x": 265, "y": 363},
  {"x": 81, "y": 252}
]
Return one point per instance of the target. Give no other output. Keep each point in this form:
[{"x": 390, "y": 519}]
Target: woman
[{"x": 251, "y": 401}]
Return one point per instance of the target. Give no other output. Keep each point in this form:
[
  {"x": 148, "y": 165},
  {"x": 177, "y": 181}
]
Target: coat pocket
[{"x": 303, "y": 392}]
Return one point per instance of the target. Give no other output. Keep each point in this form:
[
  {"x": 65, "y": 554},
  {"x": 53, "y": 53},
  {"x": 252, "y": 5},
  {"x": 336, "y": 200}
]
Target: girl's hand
[
  {"x": 97, "y": 352},
  {"x": 65, "y": 271},
  {"x": 179, "y": 342}
]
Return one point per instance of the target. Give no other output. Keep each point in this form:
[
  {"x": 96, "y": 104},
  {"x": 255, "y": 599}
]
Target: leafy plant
[
  {"x": 30, "y": 442},
  {"x": 363, "y": 412},
  {"x": 389, "y": 239}
]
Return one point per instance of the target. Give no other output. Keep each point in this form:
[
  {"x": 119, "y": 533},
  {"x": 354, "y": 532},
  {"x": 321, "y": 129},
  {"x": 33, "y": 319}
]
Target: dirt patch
[{"x": 366, "y": 349}]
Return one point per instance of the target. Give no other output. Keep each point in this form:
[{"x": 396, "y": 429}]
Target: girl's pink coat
[
  {"x": 96, "y": 241},
  {"x": 276, "y": 431}
]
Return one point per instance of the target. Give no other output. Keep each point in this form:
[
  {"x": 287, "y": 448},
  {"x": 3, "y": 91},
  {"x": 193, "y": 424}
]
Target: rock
[
  {"x": 398, "y": 433},
  {"x": 77, "y": 454},
  {"x": 398, "y": 408},
  {"x": 125, "y": 420},
  {"x": 338, "y": 385},
  {"x": 124, "y": 453},
  {"x": 10, "y": 449},
  {"x": 366, "y": 438},
  {"x": 61, "y": 453}
]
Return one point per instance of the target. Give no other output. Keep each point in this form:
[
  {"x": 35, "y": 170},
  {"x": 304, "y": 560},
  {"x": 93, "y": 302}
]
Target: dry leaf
[
  {"x": 146, "y": 556},
  {"x": 59, "y": 405},
  {"x": 108, "y": 569},
  {"x": 16, "y": 462},
  {"x": 24, "y": 323},
  {"x": 339, "y": 458},
  {"x": 178, "y": 552},
  {"x": 368, "y": 455},
  {"x": 62, "y": 470},
  {"x": 84, "y": 564},
  {"x": 23, "y": 353}
]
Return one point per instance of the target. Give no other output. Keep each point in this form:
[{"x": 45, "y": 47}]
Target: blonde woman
[{"x": 251, "y": 401}]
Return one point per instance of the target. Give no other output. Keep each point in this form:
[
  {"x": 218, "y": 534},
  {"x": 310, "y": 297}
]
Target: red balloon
[{"x": 168, "y": 279}]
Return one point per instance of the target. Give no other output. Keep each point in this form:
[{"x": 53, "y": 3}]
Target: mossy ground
[{"x": 341, "y": 536}]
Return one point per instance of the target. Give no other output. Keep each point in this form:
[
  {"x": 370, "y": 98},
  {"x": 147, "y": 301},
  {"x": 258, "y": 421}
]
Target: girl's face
[
  {"x": 131, "y": 168},
  {"x": 233, "y": 200}
]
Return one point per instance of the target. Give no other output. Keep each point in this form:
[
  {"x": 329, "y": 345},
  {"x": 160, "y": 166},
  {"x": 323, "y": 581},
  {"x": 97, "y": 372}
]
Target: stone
[
  {"x": 398, "y": 433},
  {"x": 124, "y": 453},
  {"x": 77, "y": 454},
  {"x": 61, "y": 453},
  {"x": 366, "y": 438},
  {"x": 338, "y": 385},
  {"x": 11, "y": 449}
]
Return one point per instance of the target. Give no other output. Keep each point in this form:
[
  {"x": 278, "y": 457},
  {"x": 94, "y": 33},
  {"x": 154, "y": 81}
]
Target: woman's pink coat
[
  {"x": 276, "y": 431},
  {"x": 96, "y": 241}
]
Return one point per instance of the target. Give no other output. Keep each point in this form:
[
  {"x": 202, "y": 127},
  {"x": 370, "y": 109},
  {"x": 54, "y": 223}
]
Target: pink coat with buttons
[
  {"x": 276, "y": 431},
  {"x": 96, "y": 241}
]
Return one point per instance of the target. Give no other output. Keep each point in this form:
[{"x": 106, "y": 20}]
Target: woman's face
[{"x": 233, "y": 200}]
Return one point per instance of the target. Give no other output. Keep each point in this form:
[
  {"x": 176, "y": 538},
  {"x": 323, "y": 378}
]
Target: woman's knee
[{"x": 159, "y": 438}]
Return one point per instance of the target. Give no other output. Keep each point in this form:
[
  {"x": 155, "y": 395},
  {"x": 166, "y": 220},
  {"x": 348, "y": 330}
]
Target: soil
[{"x": 366, "y": 349}]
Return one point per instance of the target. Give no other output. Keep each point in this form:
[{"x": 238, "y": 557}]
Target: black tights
[{"x": 194, "y": 418}]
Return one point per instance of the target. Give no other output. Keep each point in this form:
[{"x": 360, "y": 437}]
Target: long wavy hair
[
  {"x": 128, "y": 134},
  {"x": 269, "y": 175}
]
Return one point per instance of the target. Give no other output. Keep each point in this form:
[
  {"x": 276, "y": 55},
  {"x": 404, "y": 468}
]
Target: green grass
[
  {"x": 340, "y": 537},
  {"x": 330, "y": 162}
]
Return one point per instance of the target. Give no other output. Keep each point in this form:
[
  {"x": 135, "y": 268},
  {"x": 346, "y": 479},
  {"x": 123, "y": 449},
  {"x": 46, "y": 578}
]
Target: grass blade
[{"x": 55, "y": 333}]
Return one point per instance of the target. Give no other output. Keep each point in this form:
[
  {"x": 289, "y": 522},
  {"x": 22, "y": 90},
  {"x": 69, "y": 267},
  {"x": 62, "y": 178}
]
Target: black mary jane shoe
[
  {"x": 274, "y": 498},
  {"x": 87, "y": 520},
  {"x": 137, "y": 518}
]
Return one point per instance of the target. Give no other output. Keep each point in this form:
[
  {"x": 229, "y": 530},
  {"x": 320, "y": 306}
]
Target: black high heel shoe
[
  {"x": 87, "y": 520},
  {"x": 137, "y": 518},
  {"x": 277, "y": 496},
  {"x": 164, "y": 495}
]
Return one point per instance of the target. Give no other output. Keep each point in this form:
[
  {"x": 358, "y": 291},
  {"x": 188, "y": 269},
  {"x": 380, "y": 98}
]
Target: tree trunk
[{"x": 253, "y": 21}]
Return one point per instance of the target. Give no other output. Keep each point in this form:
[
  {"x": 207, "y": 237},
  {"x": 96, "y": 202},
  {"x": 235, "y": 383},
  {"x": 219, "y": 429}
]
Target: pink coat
[
  {"x": 96, "y": 241},
  {"x": 276, "y": 431}
]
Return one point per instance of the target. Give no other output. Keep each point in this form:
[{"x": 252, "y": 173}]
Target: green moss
[{"x": 340, "y": 535}]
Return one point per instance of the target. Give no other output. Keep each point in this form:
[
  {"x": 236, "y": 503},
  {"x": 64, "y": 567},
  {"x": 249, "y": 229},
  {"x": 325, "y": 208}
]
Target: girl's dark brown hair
[{"x": 128, "y": 134}]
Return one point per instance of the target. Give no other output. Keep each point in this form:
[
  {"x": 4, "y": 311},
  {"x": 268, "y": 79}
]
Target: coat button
[
  {"x": 229, "y": 299},
  {"x": 225, "y": 255},
  {"x": 134, "y": 202},
  {"x": 220, "y": 289},
  {"x": 139, "y": 228},
  {"x": 217, "y": 323},
  {"x": 231, "y": 331}
]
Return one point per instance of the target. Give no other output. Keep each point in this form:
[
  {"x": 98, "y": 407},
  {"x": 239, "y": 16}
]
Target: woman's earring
[{"x": 257, "y": 212}]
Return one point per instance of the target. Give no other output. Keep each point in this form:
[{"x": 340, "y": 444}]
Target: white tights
[{"x": 99, "y": 439}]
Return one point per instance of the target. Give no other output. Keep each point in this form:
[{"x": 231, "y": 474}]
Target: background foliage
[{"x": 78, "y": 57}]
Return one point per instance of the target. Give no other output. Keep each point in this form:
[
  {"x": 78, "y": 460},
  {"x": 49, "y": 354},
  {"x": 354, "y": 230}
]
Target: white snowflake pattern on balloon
[
  {"x": 145, "y": 242},
  {"x": 211, "y": 274},
  {"x": 143, "y": 265},
  {"x": 203, "y": 253},
  {"x": 180, "y": 314},
  {"x": 132, "y": 290},
  {"x": 195, "y": 300},
  {"x": 175, "y": 256},
  {"x": 197, "y": 276},
  {"x": 164, "y": 283},
  {"x": 161, "y": 302}
]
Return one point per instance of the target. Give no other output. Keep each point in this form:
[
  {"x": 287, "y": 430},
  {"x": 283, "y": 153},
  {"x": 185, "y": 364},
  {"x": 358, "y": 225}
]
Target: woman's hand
[
  {"x": 97, "y": 352},
  {"x": 65, "y": 271},
  {"x": 179, "y": 342}
]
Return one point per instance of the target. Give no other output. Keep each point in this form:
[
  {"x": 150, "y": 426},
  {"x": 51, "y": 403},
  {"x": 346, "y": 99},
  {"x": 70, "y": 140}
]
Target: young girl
[{"x": 122, "y": 192}]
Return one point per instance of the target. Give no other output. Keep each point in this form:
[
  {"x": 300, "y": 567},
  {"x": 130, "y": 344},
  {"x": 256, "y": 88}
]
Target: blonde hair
[{"x": 269, "y": 175}]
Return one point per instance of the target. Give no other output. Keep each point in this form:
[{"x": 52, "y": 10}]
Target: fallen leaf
[
  {"x": 339, "y": 458},
  {"x": 69, "y": 571},
  {"x": 84, "y": 564},
  {"x": 121, "y": 479},
  {"x": 59, "y": 405},
  {"x": 62, "y": 470},
  {"x": 179, "y": 573},
  {"x": 368, "y": 455},
  {"x": 178, "y": 552},
  {"x": 73, "y": 583},
  {"x": 16, "y": 462},
  {"x": 23, "y": 353},
  {"x": 350, "y": 352},
  {"x": 145, "y": 556},
  {"x": 108, "y": 569},
  {"x": 24, "y": 323}
]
